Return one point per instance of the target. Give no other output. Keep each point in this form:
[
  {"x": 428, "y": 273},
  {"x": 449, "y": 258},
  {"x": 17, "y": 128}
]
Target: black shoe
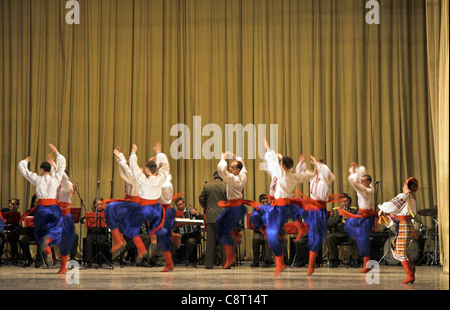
[{"x": 255, "y": 264}]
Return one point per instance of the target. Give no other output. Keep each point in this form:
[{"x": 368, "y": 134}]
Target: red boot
[
  {"x": 230, "y": 256},
  {"x": 169, "y": 262},
  {"x": 410, "y": 277},
  {"x": 119, "y": 242},
  {"x": 366, "y": 259},
  {"x": 48, "y": 255},
  {"x": 279, "y": 264},
  {"x": 64, "y": 260},
  {"x": 142, "y": 251},
  {"x": 312, "y": 262}
]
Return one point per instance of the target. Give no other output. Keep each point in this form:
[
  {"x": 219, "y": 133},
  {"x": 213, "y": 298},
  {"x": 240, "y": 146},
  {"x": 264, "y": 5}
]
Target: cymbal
[{"x": 427, "y": 212}]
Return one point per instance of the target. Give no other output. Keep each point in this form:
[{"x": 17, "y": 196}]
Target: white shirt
[
  {"x": 46, "y": 185},
  {"x": 64, "y": 193},
  {"x": 399, "y": 205},
  {"x": 167, "y": 188},
  {"x": 131, "y": 186},
  {"x": 149, "y": 187},
  {"x": 365, "y": 194},
  {"x": 235, "y": 183},
  {"x": 286, "y": 180},
  {"x": 320, "y": 184}
]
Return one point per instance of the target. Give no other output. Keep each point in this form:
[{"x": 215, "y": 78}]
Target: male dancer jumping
[
  {"x": 271, "y": 217},
  {"x": 48, "y": 217},
  {"x": 150, "y": 190},
  {"x": 235, "y": 210},
  {"x": 360, "y": 225}
]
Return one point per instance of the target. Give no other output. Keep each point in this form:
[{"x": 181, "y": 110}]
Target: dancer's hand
[
  {"x": 134, "y": 148},
  {"x": 117, "y": 152},
  {"x": 313, "y": 160},
  {"x": 157, "y": 147},
  {"x": 53, "y": 148},
  {"x": 266, "y": 144},
  {"x": 302, "y": 158},
  {"x": 28, "y": 159}
]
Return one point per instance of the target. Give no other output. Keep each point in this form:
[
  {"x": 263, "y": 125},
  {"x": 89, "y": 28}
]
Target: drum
[{"x": 413, "y": 251}]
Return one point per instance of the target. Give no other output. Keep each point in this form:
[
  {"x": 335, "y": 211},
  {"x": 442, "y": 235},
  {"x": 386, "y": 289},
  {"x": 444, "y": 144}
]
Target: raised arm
[
  {"x": 60, "y": 163},
  {"x": 301, "y": 173},
  {"x": 124, "y": 170},
  {"x": 135, "y": 170},
  {"x": 30, "y": 176},
  {"x": 356, "y": 172}
]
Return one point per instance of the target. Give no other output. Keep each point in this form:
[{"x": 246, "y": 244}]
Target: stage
[{"x": 238, "y": 278}]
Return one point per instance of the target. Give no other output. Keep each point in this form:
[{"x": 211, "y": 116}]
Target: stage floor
[{"x": 242, "y": 277}]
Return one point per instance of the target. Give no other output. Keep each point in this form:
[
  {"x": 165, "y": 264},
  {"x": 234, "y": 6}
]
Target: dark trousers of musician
[
  {"x": 211, "y": 244},
  {"x": 333, "y": 240},
  {"x": 96, "y": 242},
  {"x": 131, "y": 247},
  {"x": 301, "y": 246},
  {"x": 259, "y": 243},
  {"x": 187, "y": 253}
]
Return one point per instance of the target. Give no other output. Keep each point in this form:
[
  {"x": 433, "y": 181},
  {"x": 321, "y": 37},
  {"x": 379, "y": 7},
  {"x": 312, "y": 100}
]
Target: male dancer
[
  {"x": 273, "y": 216},
  {"x": 164, "y": 238},
  {"x": 116, "y": 209},
  {"x": 360, "y": 225},
  {"x": 64, "y": 194},
  {"x": 150, "y": 190},
  {"x": 235, "y": 210},
  {"x": 48, "y": 217},
  {"x": 316, "y": 219},
  {"x": 404, "y": 207}
]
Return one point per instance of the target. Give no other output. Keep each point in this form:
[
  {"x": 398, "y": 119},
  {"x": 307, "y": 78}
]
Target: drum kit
[{"x": 428, "y": 237}]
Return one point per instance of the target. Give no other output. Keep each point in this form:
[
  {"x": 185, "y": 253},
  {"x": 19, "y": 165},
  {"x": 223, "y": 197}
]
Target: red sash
[
  {"x": 47, "y": 202},
  {"x": 236, "y": 203},
  {"x": 65, "y": 207},
  {"x": 126, "y": 198},
  {"x": 362, "y": 213},
  {"x": 149, "y": 202}
]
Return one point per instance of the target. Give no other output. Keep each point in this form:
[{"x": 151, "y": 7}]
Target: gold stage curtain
[
  {"x": 438, "y": 66},
  {"x": 337, "y": 87}
]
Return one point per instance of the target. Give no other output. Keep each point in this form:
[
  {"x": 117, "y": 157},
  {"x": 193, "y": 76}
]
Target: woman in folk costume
[
  {"x": 116, "y": 209},
  {"x": 147, "y": 206},
  {"x": 235, "y": 210},
  {"x": 271, "y": 218},
  {"x": 48, "y": 217},
  {"x": 404, "y": 207},
  {"x": 360, "y": 225}
]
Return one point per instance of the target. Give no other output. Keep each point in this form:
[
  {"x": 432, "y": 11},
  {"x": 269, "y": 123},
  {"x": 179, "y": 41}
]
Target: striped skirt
[{"x": 401, "y": 242}]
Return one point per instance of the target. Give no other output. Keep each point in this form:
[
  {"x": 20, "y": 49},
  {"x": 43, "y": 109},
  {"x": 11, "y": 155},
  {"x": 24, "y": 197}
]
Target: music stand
[{"x": 98, "y": 222}]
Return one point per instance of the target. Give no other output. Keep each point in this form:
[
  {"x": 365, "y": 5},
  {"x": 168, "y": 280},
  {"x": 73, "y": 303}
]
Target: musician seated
[
  {"x": 337, "y": 233},
  {"x": 10, "y": 234},
  {"x": 96, "y": 238},
  {"x": 190, "y": 235}
]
